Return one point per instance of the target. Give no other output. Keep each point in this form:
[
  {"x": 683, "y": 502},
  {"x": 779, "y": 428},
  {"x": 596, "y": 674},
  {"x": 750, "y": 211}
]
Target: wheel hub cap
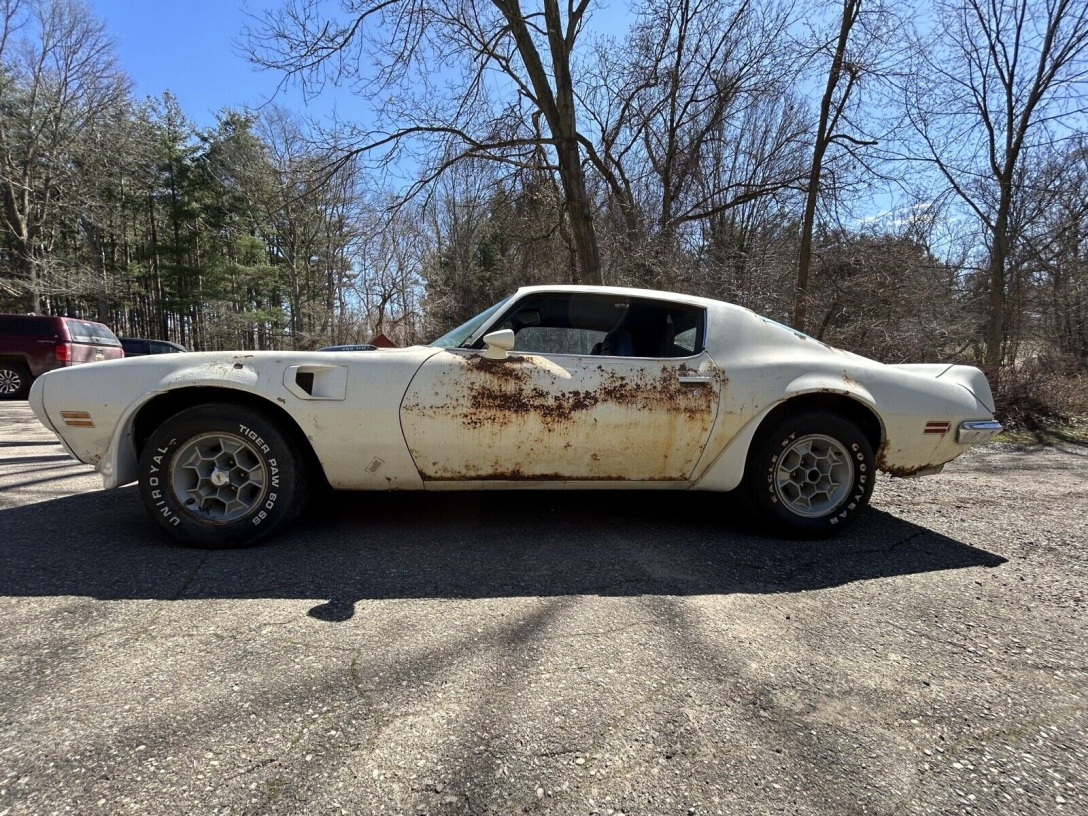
[
  {"x": 814, "y": 475},
  {"x": 218, "y": 477},
  {"x": 10, "y": 382}
]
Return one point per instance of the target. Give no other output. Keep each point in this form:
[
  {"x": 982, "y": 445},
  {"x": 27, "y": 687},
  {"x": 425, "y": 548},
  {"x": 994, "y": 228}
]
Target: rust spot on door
[
  {"x": 534, "y": 418},
  {"x": 502, "y": 399}
]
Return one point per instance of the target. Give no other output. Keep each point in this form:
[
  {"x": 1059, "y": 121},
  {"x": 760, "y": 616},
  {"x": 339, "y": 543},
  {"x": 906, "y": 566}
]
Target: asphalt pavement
[{"x": 548, "y": 652}]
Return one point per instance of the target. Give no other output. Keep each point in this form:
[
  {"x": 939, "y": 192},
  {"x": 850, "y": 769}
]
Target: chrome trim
[
  {"x": 973, "y": 432},
  {"x": 694, "y": 378}
]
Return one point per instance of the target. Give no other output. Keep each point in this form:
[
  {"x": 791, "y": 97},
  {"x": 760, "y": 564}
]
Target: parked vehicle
[
  {"x": 31, "y": 345},
  {"x": 556, "y": 386},
  {"x": 141, "y": 347}
]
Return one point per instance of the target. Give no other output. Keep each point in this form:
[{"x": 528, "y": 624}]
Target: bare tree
[
  {"x": 693, "y": 78},
  {"x": 416, "y": 42},
  {"x": 860, "y": 51},
  {"x": 59, "y": 78},
  {"x": 1056, "y": 250},
  {"x": 1002, "y": 78}
]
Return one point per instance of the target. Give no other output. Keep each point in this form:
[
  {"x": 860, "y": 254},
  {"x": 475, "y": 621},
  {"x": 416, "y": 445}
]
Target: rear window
[
  {"x": 83, "y": 331},
  {"x": 17, "y": 326}
]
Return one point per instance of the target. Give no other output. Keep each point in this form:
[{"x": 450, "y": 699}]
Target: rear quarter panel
[{"x": 764, "y": 363}]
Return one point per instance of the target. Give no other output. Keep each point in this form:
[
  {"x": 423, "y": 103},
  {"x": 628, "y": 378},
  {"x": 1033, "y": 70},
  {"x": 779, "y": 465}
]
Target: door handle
[{"x": 696, "y": 379}]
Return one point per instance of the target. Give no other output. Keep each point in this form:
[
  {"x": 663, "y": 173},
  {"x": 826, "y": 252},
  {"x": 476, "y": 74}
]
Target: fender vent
[
  {"x": 305, "y": 381},
  {"x": 316, "y": 381}
]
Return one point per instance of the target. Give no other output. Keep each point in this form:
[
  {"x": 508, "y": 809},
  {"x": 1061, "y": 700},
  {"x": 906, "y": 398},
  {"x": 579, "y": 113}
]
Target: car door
[{"x": 561, "y": 416}]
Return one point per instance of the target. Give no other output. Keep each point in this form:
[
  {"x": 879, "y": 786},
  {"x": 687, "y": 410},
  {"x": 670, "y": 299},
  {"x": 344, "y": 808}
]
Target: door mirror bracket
[{"x": 498, "y": 343}]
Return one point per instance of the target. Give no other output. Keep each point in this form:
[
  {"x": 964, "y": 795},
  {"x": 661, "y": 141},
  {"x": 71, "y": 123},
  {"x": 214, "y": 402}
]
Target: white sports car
[{"x": 554, "y": 387}]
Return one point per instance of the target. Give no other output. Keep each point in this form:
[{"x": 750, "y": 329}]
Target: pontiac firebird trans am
[{"x": 553, "y": 387}]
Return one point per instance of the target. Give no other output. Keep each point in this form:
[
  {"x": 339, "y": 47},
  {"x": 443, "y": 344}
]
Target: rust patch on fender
[
  {"x": 905, "y": 471},
  {"x": 899, "y": 471}
]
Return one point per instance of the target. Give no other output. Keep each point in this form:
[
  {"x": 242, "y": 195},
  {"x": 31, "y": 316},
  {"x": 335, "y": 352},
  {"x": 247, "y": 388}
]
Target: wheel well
[
  {"x": 857, "y": 412},
  {"x": 160, "y": 408}
]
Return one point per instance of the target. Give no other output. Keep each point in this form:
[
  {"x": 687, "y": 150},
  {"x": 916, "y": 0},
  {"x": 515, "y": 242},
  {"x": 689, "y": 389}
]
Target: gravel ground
[{"x": 547, "y": 652}]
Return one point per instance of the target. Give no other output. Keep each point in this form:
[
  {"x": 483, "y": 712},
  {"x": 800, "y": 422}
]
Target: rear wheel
[
  {"x": 811, "y": 474},
  {"x": 14, "y": 381},
  {"x": 222, "y": 475}
]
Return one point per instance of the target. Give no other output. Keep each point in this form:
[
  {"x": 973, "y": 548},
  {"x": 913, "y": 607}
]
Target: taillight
[{"x": 63, "y": 352}]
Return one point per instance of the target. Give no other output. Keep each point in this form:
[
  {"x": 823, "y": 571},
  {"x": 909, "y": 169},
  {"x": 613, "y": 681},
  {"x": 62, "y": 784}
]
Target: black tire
[
  {"x": 774, "y": 441},
  {"x": 286, "y": 487},
  {"x": 17, "y": 376}
]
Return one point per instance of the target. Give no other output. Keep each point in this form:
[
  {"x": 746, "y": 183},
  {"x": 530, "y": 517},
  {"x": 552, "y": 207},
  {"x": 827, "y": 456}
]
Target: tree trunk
[
  {"x": 804, "y": 251},
  {"x": 558, "y": 106},
  {"x": 580, "y": 212},
  {"x": 995, "y": 328},
  {"x": 823, "y": 138},
  {"x": 30, "y": 271}
]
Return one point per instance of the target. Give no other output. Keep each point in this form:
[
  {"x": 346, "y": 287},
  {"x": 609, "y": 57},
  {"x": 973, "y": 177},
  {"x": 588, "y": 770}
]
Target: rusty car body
[{"x": 505, "y": 406}]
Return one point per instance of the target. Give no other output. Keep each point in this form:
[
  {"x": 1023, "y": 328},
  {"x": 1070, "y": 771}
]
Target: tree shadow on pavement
[{"x": 458, "y": 545}]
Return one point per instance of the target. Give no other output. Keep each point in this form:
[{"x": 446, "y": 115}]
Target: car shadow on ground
[{"x": 355, "y": 547}]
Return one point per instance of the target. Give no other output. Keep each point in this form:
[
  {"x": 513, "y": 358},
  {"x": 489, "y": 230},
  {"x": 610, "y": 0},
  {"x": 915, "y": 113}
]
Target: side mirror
[{"x": 498, "y": 343}]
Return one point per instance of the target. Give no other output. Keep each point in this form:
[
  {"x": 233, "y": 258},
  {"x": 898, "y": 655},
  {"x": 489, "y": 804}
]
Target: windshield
[{"x": 458, "y": 336}]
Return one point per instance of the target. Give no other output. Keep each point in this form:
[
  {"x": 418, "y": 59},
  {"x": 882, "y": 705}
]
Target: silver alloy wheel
[
  {"x": 10, "y": 381},
  {"x": 814, "y": 475},
  {"x": 218, "y": 477}
]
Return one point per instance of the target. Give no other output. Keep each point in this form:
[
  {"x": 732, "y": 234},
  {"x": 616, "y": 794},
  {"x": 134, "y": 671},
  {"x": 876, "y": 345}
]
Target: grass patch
[{"x": 1058, "y": 435}]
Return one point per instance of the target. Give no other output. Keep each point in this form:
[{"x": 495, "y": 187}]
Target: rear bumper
[{"x": 975, "y": 432}]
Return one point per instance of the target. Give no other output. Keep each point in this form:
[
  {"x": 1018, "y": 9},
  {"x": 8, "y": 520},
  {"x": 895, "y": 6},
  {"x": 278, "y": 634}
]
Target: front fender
[
  {"x": 118, "y": 464},
  {"x": 356, "y": 438}
]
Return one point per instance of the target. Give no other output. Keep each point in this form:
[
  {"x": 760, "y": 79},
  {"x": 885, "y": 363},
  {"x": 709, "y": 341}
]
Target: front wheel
[
  {"x": 222, "y": 475},
  {"x": 811, "y": 475}
]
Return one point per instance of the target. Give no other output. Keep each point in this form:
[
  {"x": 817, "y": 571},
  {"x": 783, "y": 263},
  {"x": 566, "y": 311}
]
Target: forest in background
[{"x": 910, "y": 183}]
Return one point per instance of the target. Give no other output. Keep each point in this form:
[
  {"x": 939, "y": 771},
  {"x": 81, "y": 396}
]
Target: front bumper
[{"x": 975, "y": 432}]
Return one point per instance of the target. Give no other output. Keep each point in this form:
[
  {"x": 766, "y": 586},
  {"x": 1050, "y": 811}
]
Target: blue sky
[{"x": 192, "y": 49}]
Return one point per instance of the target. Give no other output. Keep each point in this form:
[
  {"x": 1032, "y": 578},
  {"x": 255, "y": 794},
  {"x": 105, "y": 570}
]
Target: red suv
[{"x": 30, "y": 345}]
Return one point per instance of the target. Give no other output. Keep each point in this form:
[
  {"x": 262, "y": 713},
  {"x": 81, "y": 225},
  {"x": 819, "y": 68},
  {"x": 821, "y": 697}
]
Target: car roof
[
  {"x": 52, "y": 317},
  {"x": 621, "y": 291}
]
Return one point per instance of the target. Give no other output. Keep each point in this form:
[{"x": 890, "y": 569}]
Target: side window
[
  {"x": 686, "y": 339},
  {"x": 27, "y": 326},
  {"x": 604, "y": 325},
  {"x": 555, "y": 340}
]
